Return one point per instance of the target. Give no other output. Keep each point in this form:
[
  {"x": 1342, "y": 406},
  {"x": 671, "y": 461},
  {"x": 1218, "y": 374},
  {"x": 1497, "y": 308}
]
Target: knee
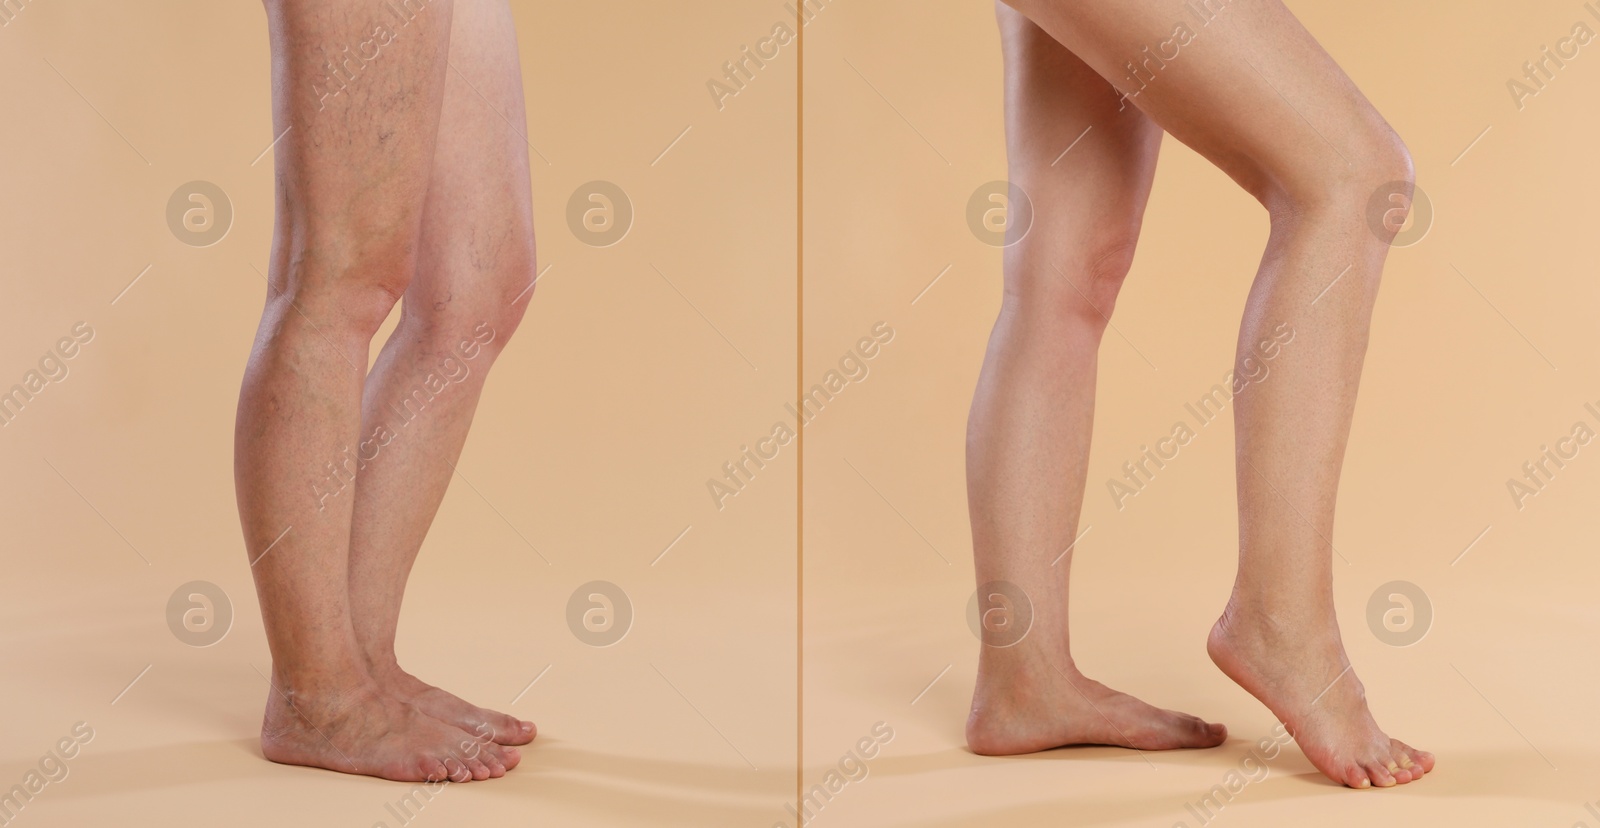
[
  {"x": 1363, "y": 204},
  {"x": 503, "y": 321},
  {"x": 477, "y": 329},
  {"x": 480, "y": 323},
  {"x": 1074, "y": 288},
  {"x": 1386, "y": 194},
  {"x": 1376, "y": 174},
  {"x": 346, "y": 297},
  {"x": 1394, "y": 159}
]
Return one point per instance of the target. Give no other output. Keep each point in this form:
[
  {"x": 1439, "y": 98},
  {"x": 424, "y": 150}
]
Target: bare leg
[
  {"x": 476, "y": 257},
  {"x": 1028, "y": 436},
  {"x": 1251, "y": 90},
  {"x": 352, "y": 174}
]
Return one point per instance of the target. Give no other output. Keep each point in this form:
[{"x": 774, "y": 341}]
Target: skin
[
  {"x": 405, "y": 186},
  {"x": 1032, "y": 415}
]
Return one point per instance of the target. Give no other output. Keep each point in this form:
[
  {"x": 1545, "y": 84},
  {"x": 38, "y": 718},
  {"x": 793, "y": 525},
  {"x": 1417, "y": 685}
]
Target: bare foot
[
  {"x": 1300, "y": 672},
  {"x": 1026, "y": 710},
  {"x": 368, "y": 732},
  {"x": 451, "y": 709}
]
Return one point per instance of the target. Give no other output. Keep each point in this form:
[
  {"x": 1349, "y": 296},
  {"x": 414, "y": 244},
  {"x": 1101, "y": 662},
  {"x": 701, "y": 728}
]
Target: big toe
[
  {"x": 509, "y": 730},
  {"x": 1185, "y": 731},
  {"x": 1197, "y": 732}
]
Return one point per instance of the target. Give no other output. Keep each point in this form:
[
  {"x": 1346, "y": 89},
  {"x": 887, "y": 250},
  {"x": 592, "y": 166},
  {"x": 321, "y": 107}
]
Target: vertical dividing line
[{"x": 799, "y": 385}]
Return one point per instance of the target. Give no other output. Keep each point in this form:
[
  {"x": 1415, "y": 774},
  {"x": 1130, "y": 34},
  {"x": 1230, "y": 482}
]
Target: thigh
[
  {"x": 477, "y": 251},
  {"x": 1240, "y": 81},
  {"x": 357, "y": 89},
  {"x": 1085, "y": 160}
]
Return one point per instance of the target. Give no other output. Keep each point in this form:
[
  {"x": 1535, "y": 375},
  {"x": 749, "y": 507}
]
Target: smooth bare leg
[
  {"x": 1028, "y": 434},
  {"x": 352, "y": 172},
  {"x": 474, "y": 265},
  {"x": 1253, "y": 92}
]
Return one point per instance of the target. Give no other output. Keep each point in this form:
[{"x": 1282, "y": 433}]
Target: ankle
[
  {"x": 293, "y": 706},
  {"x": 1254, "y": 630},
  {"x": 321, "y": 684},
  {"x": 1279, "y": 608},
  {"x": 1022, "y": 671},
  {"x": 380, "y": 661},
  {"x": 384, "y": 668}
]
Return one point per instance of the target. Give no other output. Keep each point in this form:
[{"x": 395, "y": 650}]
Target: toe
[
  {"x": 508, "y": 730},
  {"x": 1379, "y": 774},
  {"x": 503, "y": 729},
  {"x": 507, "y": 756},
  {"x": 479, "y": 769},
  {"x": 1197, "y": 732},
  {"x": 1357, "y": 777},
  {"x": 491, "y": 758},
  {"x": 1422, "y": 761},
  {"x": 1181, "y": 730},
  {"x": 430, "y": 769},
  {"x": 1407, "y": 768},
  {"x": 457, "y": 770}
]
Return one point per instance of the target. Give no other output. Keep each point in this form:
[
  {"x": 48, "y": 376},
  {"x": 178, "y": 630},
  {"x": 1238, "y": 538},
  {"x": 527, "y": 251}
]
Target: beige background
[
  {"x": 609, "y": 411},
  {"x": 1454, "y": 402},
  {"x": 622, "y": 394}
]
